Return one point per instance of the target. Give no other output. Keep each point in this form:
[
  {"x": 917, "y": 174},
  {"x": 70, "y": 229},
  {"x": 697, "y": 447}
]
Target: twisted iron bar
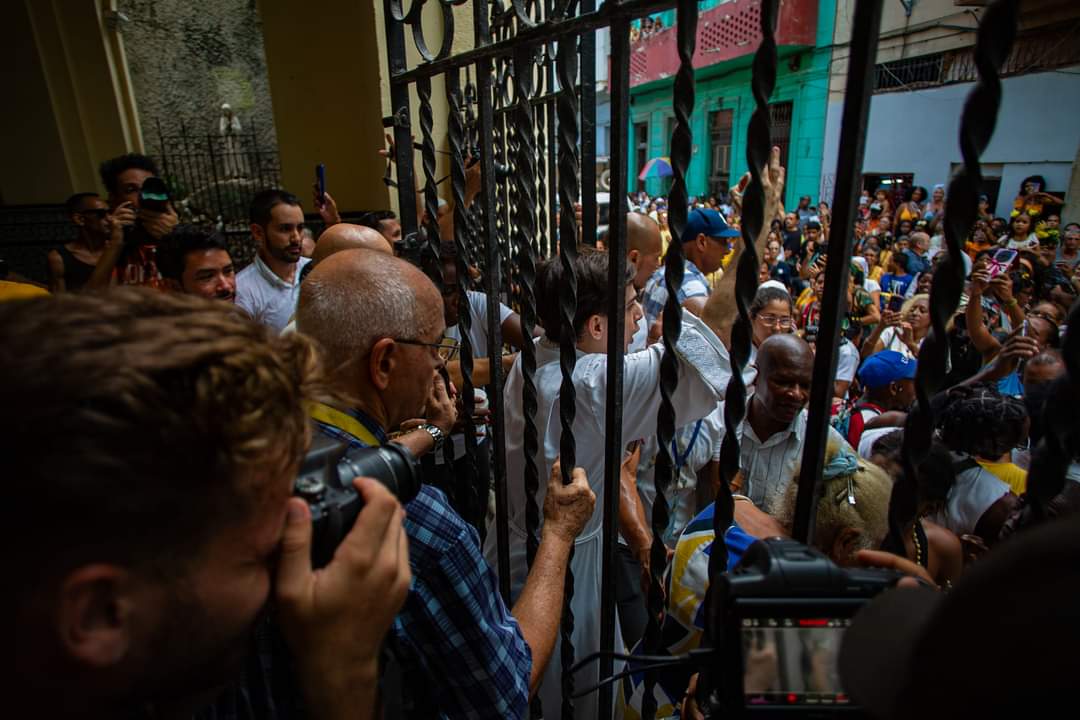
[
  {"x": 431, "y": 193},
  {"x": 681, "y": 147},
  {"x": 996, "y": 34},
  {"x": 467, "y": 485},
  {"x": 543, "y": 233},
  {"x": 567, "y": 108},
  {"x": 758, "y": 148},
  {"x": 524, "y": 229}
]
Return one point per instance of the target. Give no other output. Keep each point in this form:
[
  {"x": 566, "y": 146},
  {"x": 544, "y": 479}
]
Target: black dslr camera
[
  {"x": 325, "y": 482},
  {"x": 153, "y": 196},
  {"x": 780, "y": 616}
]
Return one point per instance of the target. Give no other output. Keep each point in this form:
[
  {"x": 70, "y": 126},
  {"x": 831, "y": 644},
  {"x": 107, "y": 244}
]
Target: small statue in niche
[{"x": 229, "y": 129}]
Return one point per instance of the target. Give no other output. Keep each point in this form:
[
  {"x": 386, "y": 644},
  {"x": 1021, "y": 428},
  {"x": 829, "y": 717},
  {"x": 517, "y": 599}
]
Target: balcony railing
[{"x": 727, "y": 31}]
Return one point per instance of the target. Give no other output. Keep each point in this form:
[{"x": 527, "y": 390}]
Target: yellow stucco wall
[{"x": 70, "y": 111}]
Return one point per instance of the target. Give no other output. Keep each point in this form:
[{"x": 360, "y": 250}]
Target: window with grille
[
  {"x": 720, "y": 124},
  {"x": 909, "y": 72},
  {"x": 641, "y": 149},
  {"x": 780, "y": 116}
]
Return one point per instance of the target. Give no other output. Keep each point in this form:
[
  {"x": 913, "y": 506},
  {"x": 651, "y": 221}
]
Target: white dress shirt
[
  {"x": 704, "y": 369},
  {"x": 265, "y": 296}
]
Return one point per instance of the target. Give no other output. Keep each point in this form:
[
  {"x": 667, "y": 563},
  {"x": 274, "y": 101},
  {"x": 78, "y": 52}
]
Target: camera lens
[{"x": 391, "y": 465}]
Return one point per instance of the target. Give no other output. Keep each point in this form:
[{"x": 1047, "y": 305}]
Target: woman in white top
[{"x": 903, "y": 331}]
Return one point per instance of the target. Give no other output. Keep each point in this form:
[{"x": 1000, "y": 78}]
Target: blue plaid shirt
[
  {"x": 462, "y": 652},
  {"x": 694, "y": 284}
]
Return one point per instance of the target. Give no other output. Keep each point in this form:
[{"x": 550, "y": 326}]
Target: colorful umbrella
[{"x": 657, "y": 167}]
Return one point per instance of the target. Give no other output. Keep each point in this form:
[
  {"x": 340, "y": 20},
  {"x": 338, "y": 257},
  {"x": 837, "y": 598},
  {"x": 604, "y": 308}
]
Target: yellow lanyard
[{"x": 342, "y": 421}]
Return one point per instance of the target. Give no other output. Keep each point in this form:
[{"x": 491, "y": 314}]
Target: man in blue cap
[
  {"x": 888, "y": 380},
  {"x": 706, "y": 240}
]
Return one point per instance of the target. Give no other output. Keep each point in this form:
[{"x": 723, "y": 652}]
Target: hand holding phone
[
  {"x": 1001, "y": 260},
  {"x": 320, "y": 182}
]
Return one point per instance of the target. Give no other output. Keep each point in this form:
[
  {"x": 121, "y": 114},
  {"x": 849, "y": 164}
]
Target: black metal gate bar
[
  {"x": 860, "y": 87},
  {"x": 557, "y": 28},
  {"x": 524, "y": 232},
  {"x": 399, "y": 118},
  {"x": 997, "y": 31},
  {"x": 758, "y": 152},
  {"x": 467, "y": 491},
  {"x": 539, "y": 104},
  {"x": 617, "y": 241},
  {"x": 587, "y": 74},
  {"x": 674, "y": 265},
  {"x": 567, "y": 109},
  {"x": 492, "y": 275}
]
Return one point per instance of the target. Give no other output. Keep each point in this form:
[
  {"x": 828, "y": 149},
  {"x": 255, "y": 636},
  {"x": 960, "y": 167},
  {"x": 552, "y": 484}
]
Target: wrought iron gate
[{"x": 521, "y": 97}]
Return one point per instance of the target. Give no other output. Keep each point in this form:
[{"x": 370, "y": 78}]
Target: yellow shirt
[
  {"x": 1009, "y": 473},
  {"x": 19, "y": 291}
]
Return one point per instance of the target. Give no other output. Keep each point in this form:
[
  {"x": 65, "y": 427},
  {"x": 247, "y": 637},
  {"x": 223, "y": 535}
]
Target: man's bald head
[
  {"x": 783, "y": 349},
  {"x": 356, "y": 297},
  {"x": 643, "y": 246},
  {"x": 346, "y": 236},
  {"x": 785, "y": 370}
]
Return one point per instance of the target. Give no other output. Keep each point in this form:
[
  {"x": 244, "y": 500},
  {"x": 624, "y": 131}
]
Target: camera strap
[{"x": 343, "y": 421}]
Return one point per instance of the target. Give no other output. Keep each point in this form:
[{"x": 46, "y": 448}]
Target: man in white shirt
[
  {"x": 771, "y": 436},
  {"x": 269, "y": 287},
  {"x": 704, "y": 370}
]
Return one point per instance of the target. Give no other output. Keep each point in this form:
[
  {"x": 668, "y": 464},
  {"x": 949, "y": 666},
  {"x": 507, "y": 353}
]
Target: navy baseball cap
[
  {"x": 709, "y": 222},
  {"x": 886, "y": 367}
]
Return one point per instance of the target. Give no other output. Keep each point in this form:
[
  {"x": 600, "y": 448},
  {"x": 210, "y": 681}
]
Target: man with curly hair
[{"x": 152, "y": 440}]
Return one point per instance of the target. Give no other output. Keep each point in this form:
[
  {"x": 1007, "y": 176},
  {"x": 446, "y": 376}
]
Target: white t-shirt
[
  {"x": 869, "y": 437},
  {"x": 847, "y": 361},
  {"x": 265, "y": 296},
  {"x": 974, "y": 491},
  {"x": 478, "y": 335},
  {"x": 891, "y": 340},
  {"x": 871, "y": 286},
  {"x": 478, "y": 329},
  {"x": 641, "y": 336}
]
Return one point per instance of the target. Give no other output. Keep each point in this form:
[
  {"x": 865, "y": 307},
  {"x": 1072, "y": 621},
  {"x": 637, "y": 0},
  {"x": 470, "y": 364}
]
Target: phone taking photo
[
  {"x": 320, "y": 181},
  {"x": 1000, "y": 261}
]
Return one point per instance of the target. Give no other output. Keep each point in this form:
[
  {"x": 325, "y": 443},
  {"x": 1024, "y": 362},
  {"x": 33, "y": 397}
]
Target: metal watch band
[{"x": 436, "y": 434}]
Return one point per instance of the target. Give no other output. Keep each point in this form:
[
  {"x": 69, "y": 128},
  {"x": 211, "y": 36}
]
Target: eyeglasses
[
  {"x": 781, "y": 321},
  {"x": 447, "y": 347}
]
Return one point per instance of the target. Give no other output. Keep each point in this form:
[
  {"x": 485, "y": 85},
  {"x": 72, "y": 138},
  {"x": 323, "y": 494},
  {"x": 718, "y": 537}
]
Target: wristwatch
[{"x": 436, "y": 434}]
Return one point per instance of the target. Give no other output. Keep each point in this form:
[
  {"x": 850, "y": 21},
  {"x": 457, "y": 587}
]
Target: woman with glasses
[{"x": 770, "y": 313}]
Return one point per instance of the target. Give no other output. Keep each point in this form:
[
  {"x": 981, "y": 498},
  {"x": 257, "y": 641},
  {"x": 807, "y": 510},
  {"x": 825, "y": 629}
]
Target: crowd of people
[{"x": 160, "y": 402}]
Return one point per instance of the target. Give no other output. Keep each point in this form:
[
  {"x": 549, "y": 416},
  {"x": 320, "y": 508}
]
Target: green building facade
[{"x": 722, "y": 110}]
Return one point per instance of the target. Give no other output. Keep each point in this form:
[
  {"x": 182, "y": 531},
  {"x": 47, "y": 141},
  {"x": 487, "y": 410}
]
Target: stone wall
[{"x": 187, "y": 58}]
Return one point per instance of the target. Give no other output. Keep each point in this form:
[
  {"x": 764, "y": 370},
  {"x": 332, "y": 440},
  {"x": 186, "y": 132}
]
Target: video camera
[
  {"x": 325, "y": 482},
  {"x": 780, "y": 617},
  {"x": 153, "y": 196}
]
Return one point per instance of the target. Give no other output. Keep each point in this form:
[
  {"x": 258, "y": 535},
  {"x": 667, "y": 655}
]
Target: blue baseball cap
[
  {"x": 709, "y": 222},
  {"x": 886, "y": 367}
]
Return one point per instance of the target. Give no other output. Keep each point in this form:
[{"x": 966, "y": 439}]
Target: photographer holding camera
[
  {"x": 155, "y": 479},
  {"x": 380, "y": 324},
  {"x": 142, "y": 216}
]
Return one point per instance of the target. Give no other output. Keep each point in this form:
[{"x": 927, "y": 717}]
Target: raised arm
[
  {"x": 981, "y": 338},
  {"x": 123, "y": 216},
  {"x": 720, "y": 310},
  {"x": 56, "y": 273}
]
